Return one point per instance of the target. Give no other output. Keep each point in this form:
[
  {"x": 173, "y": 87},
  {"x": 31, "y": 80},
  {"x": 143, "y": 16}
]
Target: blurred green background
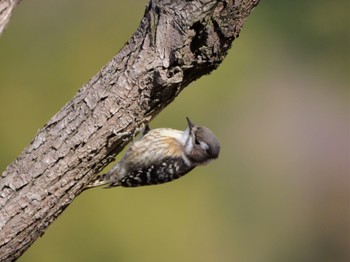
[{"x": 278, "y": 103}]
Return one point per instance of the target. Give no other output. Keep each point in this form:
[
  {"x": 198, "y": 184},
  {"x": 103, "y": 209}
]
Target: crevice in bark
[{"x": 176, "y": 43}]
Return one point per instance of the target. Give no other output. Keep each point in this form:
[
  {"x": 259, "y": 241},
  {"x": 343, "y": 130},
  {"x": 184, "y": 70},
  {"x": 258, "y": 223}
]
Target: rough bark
[
  {"x": 6, "y": 11},
  {"x": 177, "y": 42}
]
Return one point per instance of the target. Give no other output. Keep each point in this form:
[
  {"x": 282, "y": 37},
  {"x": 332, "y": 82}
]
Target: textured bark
[
  {"x": 6, "y": 10},
  {"x": 177, "y": 42}
]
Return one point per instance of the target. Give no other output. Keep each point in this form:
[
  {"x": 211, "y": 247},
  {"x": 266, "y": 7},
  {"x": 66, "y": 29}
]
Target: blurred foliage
[{"x": 278, "y": 103}]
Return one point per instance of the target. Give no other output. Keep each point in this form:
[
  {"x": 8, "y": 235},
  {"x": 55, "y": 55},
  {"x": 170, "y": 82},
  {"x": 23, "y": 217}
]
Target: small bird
[{"x": 161, "y": 155}]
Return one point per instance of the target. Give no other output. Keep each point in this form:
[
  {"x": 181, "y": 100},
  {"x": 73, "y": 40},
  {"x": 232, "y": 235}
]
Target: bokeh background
[{"x": 278, "y": 103}]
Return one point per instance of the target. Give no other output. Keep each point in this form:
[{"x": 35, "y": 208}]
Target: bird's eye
[{"x": 196, "y": 141}]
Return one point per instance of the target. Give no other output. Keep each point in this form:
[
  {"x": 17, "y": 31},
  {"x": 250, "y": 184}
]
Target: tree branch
[
  {"x": 176, "y": 43},
  {"x": 6, "y": 11}
]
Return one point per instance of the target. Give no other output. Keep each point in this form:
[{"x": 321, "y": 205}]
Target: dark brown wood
[{"x": 177, "y": 42}]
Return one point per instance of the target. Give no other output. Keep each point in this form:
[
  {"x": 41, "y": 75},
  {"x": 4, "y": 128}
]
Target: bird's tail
[
  {"x": 99, "y": 180},
  {"x": 109, "y": 178}
]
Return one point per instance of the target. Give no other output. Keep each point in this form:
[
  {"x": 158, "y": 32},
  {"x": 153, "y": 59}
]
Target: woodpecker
[{"x": 161, "y": 155}]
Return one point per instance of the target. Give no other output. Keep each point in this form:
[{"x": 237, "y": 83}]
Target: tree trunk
[{"x": 177, "y": 42}]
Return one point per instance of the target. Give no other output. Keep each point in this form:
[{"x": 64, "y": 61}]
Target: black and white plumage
[{"x": 161, "y": 155}]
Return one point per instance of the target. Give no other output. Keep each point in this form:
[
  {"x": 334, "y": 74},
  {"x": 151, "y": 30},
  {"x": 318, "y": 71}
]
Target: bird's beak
[{"x": 190, "y": 124}]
